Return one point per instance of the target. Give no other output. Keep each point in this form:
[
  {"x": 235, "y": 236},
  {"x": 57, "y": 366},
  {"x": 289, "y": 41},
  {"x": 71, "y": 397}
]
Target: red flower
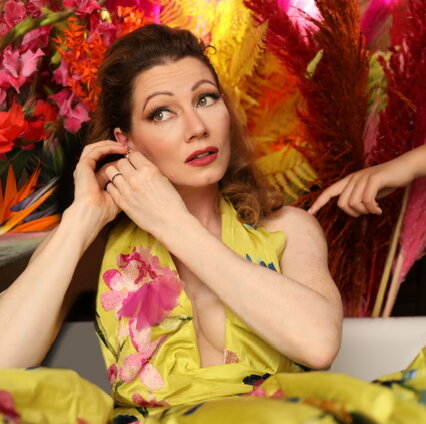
[
  {"x": 12, "y": 125},
  {"x": 43, "y": 112}
]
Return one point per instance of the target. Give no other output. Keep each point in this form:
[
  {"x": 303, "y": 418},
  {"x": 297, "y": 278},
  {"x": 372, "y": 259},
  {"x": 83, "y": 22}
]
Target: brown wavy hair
[{"x": 153, "y": 45}]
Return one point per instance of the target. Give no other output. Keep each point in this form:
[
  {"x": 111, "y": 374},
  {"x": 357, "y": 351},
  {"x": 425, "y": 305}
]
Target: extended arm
[
  {"x": 358, "y": 191},
  {"x": 299, "y": 312},
  {"x": 32, "y": 308}
]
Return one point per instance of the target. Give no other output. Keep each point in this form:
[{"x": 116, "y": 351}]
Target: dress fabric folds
[{"x": 144, "y": 321}]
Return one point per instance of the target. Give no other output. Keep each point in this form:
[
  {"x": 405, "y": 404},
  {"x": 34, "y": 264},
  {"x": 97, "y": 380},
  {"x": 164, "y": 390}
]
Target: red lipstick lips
[{"x": 202, "y": 157}]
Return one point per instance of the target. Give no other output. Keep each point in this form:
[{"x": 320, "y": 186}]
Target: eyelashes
[{"x": 157, "y": 114}]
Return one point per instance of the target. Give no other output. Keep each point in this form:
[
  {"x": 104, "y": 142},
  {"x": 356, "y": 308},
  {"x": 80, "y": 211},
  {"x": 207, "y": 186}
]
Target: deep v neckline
[{"x": 186, "y": 301}]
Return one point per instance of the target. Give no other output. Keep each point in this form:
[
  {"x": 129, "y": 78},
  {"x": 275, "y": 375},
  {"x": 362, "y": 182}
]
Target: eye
[
  {"x": 207, "y": 99},
  {"x": 159, "y": 115}
]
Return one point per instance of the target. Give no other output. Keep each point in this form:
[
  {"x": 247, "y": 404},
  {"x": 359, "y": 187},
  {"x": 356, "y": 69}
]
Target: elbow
[
  {"x": 323, "y": 358},
  {"x": 321, "y": 353}
]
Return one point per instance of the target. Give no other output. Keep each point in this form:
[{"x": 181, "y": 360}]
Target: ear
[{"x": 123, "y": 138}]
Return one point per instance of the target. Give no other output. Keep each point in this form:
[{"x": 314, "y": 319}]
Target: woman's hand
[
  {"x": 144, "y": 194},
  {"x": 358, "y": 191},
  {"x": 90, "y": 184}
]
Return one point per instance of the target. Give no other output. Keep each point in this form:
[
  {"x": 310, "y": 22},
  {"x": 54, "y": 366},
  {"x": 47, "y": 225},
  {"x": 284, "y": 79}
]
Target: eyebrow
[{"x": 169, "y": 93}]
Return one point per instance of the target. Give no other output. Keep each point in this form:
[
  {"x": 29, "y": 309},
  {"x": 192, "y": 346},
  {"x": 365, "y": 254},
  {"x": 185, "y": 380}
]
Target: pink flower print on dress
[
  {"x": 151, "y": 302},
  {"x": 140, "y": 401},
  {"x": 112, "y": 373},
  {"x": 7, "y": 407},
  {"x": 137, "y": 363},
  {"x": 141, "y": 288},
  {"x": 136, "y": 267}
]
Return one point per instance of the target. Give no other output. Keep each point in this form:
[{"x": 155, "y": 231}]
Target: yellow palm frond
[
  {"x": 289, "y": 171},
  {"x": 279, "y": 100},
  {"x": 240, "y": 46},
  {"x": 195, "y": 15}
]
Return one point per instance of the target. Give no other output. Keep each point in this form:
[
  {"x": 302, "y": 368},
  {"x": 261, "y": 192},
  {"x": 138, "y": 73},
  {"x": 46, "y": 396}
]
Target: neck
[{"x": 202, "y": 203}]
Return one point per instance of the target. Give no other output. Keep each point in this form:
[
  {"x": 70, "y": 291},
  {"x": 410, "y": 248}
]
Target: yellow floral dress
[{"x": 145, "y": 327}]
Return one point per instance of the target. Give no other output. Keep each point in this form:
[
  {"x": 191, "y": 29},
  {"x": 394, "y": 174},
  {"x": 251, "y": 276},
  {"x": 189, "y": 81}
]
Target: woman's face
[{"x": 181, "y": 123}]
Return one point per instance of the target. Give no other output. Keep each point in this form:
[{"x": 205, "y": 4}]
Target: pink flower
[
  {"x": 36, "y": 38},
  {"x": 14, "y": 12},
  {"x": 258, "y": 391},
  {"x": 140, "y": 401},
  {"x": 151, "y": 303},
  {"x": 60, "y": 74},
  {"x": 18, "y": 67},
  {"x": 112, "y": 373},
  {"x": 7, "y": 407},
  {"x": 73, "y": 112},
  {"x": 106, "y": 30},
  {"x": 137, "y": 363},
  {"x": 84, "y": 7},
  {"x": 34, "y": 7},
  {"x": 137, "y": 269}
]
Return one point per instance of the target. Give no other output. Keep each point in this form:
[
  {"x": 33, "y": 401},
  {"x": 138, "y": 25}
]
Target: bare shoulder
[
  {"x": 295, "y": 222},
  {"x": 305, "y": 257}
]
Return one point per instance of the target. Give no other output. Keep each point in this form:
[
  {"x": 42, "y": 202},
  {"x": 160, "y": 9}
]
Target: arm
[
  {"x": 299, "y": 313},
  {"x": 33, "y": 307},
  {"x": 358, "y": 191}
]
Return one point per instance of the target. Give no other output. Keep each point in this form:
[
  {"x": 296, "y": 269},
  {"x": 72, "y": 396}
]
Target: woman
[{"x": 191, "y": 301}]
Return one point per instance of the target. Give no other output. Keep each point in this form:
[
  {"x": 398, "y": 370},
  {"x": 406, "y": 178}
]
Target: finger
[
  {"x": 125, "y": 166},
  {"x": 115, "y": 177},
  {"x": 343, "y": 201},
  {"x": 88, "y": 149},
  {"x": 138, "y": 160},
  {"x": 102, "y": 177},
  {"x": 370, "y": 194},
  {"x": 113, "y": 191},
  {"x": 96, "y": 154},
  {"x": 355, "y": 200},
  {"x": 330, "y": 192}
]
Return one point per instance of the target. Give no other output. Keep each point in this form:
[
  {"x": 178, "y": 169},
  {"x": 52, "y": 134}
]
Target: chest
[{"x": 209, "y": 317}]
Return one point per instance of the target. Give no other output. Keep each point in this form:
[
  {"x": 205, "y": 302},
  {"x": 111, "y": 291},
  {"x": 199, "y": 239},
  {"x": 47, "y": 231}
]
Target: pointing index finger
[{"x": 330, "y": 192}]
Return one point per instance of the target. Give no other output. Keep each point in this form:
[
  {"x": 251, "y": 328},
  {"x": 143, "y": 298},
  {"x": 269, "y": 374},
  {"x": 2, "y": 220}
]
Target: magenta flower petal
[
  {"x": 113, "y": 279},
  {"x": 14, "y": 12},
  {"x": 60, "y": 74},
  {"x": 29, "y": 62}
]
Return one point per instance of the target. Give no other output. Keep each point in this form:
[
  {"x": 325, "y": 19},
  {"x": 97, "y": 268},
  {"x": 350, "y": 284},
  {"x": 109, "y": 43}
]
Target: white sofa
[{"x": 370, "y": 348}]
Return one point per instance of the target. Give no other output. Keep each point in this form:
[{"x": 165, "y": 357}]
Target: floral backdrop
[{"x": 323, "y": 87}]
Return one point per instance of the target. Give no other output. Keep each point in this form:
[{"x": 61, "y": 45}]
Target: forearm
[
  {"x": 418, "y": 158},
  {"x": 279, "y": 309},
  {"x": 30, "y": 309}
]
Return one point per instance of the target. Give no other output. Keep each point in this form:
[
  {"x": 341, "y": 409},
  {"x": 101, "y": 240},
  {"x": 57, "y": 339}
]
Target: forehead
[{"x": 172, "y": 76}]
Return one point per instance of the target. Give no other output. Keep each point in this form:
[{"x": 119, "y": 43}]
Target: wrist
[
  {"x": 177, "y": 231},
  {"x": 82, "y": 221}
]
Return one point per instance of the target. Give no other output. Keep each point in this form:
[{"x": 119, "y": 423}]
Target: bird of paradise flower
[{"x": 18, "y": 206}]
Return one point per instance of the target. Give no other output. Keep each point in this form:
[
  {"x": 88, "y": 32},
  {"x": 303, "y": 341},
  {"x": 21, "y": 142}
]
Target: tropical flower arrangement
[{"x": 322, "y": 88}]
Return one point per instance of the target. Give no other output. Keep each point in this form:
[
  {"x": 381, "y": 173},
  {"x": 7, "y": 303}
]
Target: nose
[{"x": 195, "y": 126}]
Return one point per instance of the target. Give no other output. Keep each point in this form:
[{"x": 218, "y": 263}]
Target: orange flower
[{"x": 83, "y": 58}]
